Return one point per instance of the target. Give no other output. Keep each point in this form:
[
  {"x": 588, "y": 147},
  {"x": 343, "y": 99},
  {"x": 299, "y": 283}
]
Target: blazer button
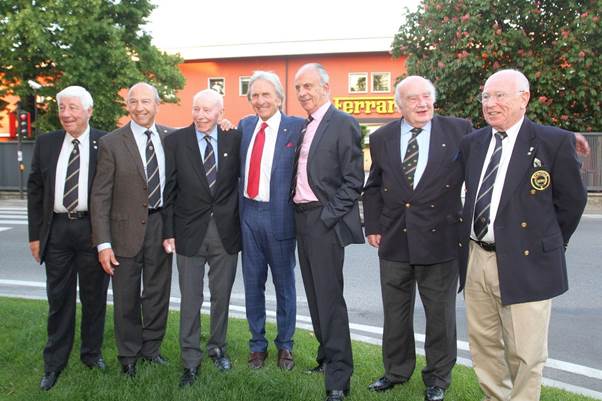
[
  {"x": 523, "y": 224},
  {"x": 405, "y": 230},
  {"x": 526, "y": 252},
  {"x": 145, "y": 205},
  {"x": 447, "y": 186},
  {"x": 143, "y": 221},
  {"x": 434, "y": 230},
  {"x": 385, "y": 189},
  {"x": 532, "y": 192},
  {"x": 461, "y": 219},
  {"x": 408, "y": 204},
  {"x": 432, "y": 206},
  {"x": 460, "y": 244}
]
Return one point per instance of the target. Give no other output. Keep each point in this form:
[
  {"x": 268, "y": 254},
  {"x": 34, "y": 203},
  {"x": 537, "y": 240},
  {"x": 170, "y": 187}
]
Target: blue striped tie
[
  {"x": 483, "y": 203},
  {"x": 152, "y": 173},
  {"x": 210, "y": 165}
]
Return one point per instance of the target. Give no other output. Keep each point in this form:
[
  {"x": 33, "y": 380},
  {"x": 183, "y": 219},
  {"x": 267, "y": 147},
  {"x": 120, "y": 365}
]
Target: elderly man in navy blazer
[
  {"x": 524, "y": 199},
  {"x": 412, "y": 210},
  {"x": 267, "y": 216}
]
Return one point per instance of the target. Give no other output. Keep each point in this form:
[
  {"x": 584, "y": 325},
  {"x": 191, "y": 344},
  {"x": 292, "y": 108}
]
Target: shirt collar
[
  {"x": 140, "y": 130},
  {"x": 512, "y": 132},
  {"x": 82, "y": 138},
  {"x": 212, "y": 134},
  {"x": 319, "y": 114},
  {"x": 406, "y": 128},
  {"x": 273, "y": 122}
]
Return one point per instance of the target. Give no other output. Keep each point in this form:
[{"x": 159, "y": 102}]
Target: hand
[
  {"x": 107, "y": 260},
  {"x": 34, "y": 247},
  {"x": 169, "y": 245},
  {"x": 225, "y": 125},
  {"x": 374, "y": 240},
  {"x": 582, "y": 145}
]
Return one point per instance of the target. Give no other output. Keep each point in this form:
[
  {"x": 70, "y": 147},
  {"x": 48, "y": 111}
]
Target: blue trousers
[{"x": 260, "y": 250}]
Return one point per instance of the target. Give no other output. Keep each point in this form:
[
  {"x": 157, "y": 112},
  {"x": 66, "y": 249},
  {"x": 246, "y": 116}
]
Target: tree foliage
[
  {"x": 555, "y": 43},
  {"x": 98, "y": 44}
]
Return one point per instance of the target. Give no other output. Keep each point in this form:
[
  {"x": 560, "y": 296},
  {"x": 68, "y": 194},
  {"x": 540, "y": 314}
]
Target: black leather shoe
[
  {"x": 317, "y": 369},
  {"x": 129, "y": 370},
  {"x": 188, "y": 377},
  {"x": 335, "y": 395},
  {"x": 434, "y": 393},
  {"x": 99, "y": 364},
  {"x": 220, "y": 359},
  {"x": 49, "y": 380},
  {"x": 382, "y": 384},
  {"x": 157, "y": 360}
]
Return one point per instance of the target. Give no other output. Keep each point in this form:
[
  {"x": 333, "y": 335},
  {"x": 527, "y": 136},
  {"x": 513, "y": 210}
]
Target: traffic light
[{"x": 23, "y": 123}]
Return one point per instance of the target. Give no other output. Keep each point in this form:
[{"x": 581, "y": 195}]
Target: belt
[
  {"x": 303, "y": 207},
  {"x": 487, "y": 246},
  {"x": 155, "y": 210},
  {"x": 73, "y": 215}
]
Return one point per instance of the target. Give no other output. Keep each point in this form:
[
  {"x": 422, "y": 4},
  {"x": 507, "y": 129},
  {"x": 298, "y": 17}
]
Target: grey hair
[
  {"x": 324, "y": 78},
  {"x": 210, "y": 93},
  {"x": 146, "y": 85},
  {"x": 432, "y": 88},
  {"x": 79, "y": 92},
  {"x": 271, "y": 78},
  {"x": 522, "y": 81}
]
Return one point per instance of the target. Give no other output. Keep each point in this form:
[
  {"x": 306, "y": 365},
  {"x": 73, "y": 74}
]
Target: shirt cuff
[{"x": 103, "y": 246}]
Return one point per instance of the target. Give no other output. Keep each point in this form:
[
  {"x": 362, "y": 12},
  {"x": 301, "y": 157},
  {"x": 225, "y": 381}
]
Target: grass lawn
[{"x": 23, "y": 334}]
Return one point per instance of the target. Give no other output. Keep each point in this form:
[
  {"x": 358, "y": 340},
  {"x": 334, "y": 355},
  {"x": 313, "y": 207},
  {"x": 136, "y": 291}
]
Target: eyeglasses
[{"x": 497, "y": 96}]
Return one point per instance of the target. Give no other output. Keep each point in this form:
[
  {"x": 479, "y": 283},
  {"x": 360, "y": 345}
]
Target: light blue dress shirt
[
  {"x": 423, "y": 140},
  {"x": 200, "y": 137}
]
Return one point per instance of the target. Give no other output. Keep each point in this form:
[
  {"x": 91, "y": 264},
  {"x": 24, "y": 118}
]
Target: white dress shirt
[
  {"x": 500, "y": 178},
  {"x": 61, "y": 172},
  {"x": 267, "y": 157},
  {"x": 423, "y": 141},
  {"x": 141, "y": 138}
]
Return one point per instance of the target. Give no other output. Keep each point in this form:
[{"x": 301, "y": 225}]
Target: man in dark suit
[
  {"x": 326, "y": 187},
  {"x": 268, "y": 147},
  {"x": 127, "y": 228},
  {"x": 412, "y": 211},
  {"x": 524, "y": 199},
  {"x": 203, "y": 225},
  {"x": 58, "y": 189}
]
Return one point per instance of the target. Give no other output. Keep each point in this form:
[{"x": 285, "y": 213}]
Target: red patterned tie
[{"x": 255, "y": 164}]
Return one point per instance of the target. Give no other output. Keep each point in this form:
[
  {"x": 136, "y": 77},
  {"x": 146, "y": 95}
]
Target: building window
[
  {"x": 358, "y": 82},
  {"x": 218, "y": 84},
  {"x": 243, "y": 86},
  {"x": 381, "y": 82}
]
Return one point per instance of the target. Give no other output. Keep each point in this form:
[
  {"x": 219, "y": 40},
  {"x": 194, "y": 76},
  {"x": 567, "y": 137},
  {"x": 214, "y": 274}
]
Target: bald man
[{"x": 524, "y": 200}]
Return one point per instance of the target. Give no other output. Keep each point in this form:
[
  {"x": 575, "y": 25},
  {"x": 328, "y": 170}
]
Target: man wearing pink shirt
[{"x": 326, "y": 188}]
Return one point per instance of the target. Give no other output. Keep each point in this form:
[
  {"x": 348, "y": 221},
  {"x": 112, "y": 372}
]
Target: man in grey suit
[
  {"x": 127, "y": 228},
  {"x": 326, "y": 187}
]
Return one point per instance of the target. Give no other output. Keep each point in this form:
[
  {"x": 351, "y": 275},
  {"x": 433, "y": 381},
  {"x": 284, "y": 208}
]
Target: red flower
[
  {"x": 543, "y": 99},
  {"x": 465, "y": 17},
  {"x": 564, "y": 117}
]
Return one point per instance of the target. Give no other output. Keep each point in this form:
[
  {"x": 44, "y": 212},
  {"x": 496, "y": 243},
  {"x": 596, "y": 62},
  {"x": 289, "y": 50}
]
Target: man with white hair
[
  {"x": 524, "y": 199},
  {"x": 202, "y": 226},
  {"x": 127, "y": 225},
  {"x": 59, "y": 184},
  {"x": 412, "y": 211}
]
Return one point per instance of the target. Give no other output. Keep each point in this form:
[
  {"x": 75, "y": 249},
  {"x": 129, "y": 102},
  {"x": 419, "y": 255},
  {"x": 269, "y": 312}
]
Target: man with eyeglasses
[
  {"x": 412, "y": 210},
  {"x": 524, "y": 199}
]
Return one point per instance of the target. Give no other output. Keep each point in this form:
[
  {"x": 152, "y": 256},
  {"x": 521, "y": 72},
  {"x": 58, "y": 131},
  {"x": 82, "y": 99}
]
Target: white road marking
[
  {"x": 14, "y": 222},
  {"x": 4, "y": 229}
]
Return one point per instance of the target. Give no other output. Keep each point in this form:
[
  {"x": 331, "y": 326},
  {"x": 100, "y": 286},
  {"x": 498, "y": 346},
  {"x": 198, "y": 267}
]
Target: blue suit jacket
[
  {"x": 533, "y": 221},
  {"x": 281, "y": 206}
]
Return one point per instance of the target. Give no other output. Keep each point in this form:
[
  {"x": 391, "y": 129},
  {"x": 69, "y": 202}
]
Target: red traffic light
[{"x": 23, "y": 116}]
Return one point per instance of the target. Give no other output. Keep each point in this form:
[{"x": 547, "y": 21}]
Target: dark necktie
[
  {"x": 210, "y": 165},
  {"x": 70, "y": 194},
  {"x": 308, "y": 120},
  {"x": 410, "y": 160},
  {"x": 255, "y": 163},
  {"x": 152, "y": 174},
  {"x": 483, "y": 203}
]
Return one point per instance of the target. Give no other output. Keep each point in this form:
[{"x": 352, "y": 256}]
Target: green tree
[
  {"x": 98, "y": 44},
  {"x": 555, "y": 43}
]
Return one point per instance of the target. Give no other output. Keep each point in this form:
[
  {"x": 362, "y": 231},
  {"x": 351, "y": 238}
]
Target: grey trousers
[{"x": 191, "y": 271}]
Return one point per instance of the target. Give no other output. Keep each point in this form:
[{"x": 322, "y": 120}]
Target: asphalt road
[{"x": 575, "y": 342}]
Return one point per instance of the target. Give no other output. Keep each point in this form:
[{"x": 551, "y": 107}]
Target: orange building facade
[{"x": 361, "y": 84}]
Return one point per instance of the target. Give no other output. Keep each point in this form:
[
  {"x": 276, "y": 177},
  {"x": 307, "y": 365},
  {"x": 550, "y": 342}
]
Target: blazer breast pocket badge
[{"x": 540, "y": 180}]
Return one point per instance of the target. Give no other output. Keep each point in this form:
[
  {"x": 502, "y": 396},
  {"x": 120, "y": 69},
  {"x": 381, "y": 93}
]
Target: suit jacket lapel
[
  {"x": 94, "y": 135},
  {"x": 475, "y": 165},
  {"x": 393, "y": 152},
  {"x": 320, "y": 132},
  {"x": 520, "y": 162},
  {"x": 55, "y": 151},
  {"x": 250, "y": 124},
  {"x": 282, "y": 138},
  {"x": 130, "y": 144},
  {"x": 194, "y": 155}
]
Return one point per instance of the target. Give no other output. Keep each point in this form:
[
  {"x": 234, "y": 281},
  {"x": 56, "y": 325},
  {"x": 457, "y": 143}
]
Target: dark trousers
[
  {"x": 261, "y": 250},
  {"x": 321, "y": 260},
  {"x": 141, "y": 317},
  {"x": 437, "y": 285},
  {"x": 69, "y": 255},
  {"x": 191, "y": 271}
]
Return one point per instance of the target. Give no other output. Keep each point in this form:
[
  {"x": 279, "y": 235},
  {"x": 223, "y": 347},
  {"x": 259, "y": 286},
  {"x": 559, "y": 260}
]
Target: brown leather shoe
[
  {"x": 256, "y": 359},
  {"x": 285, "y": 359}
]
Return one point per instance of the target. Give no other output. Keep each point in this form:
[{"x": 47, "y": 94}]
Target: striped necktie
[
  {"x": 70, "y": 194},
  {"x": 410, "y": 159},
  {"x": 152, "y": 173},
  {"x": 483, "y": 203},
  {"x": 210, "y": 165}
]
